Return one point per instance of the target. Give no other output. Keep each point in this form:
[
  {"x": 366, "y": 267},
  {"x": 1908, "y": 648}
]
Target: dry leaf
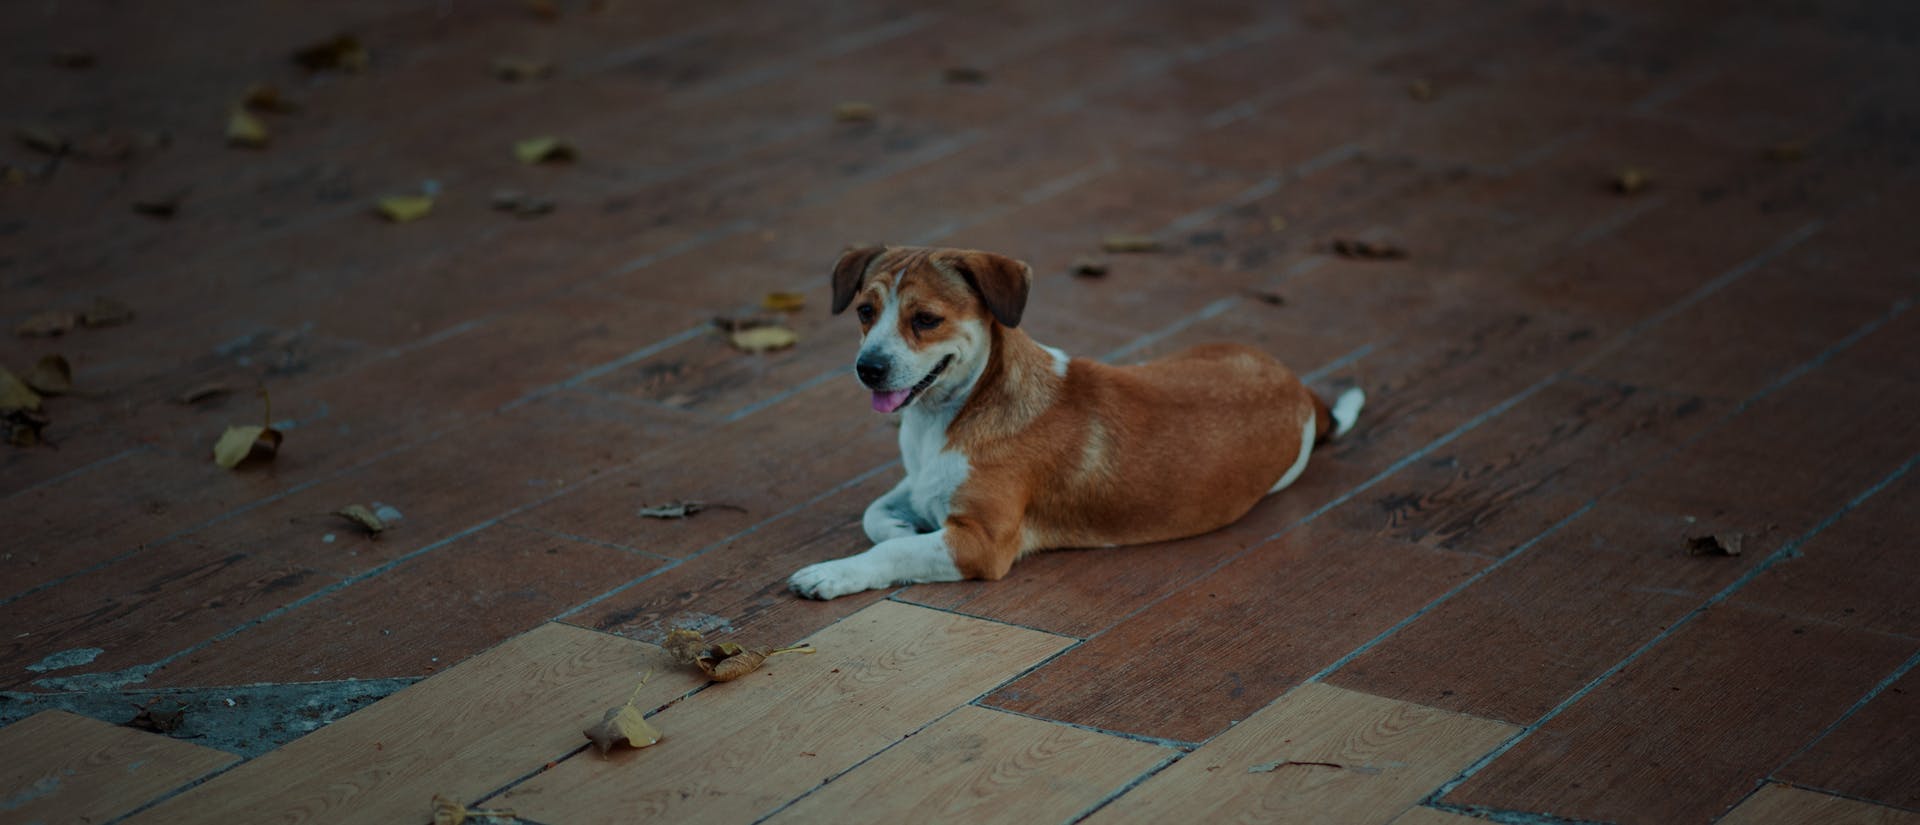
[
  {"x": 15, "y": 393},
  {"x": 52, "y": 376},
  {"x": 161, "y": 720},
  {"x": 23, "y": 427},
  {"x": 165, "y": 206},
  {"x": 1630, "y": 180},
  {"x": 74, "y": 59},
  {"x": 783, "y": 302},
  {"x": 728, "y": 661},
  {"x": 521, "y": 70},
  {"x": 449, "y": 812},
  {"x": 404, "y": 208},
  {"x": 359, "y": 514},
  {"x": 238, "y": 444},
  {"x": 855, "y": 112},
  {"x": 51, "y": 323},
  {"x": 622, "y": 724},
  {"x": 1787, "y": 151},
  {"x": 1269, "y": 298},
  {"x": 763, "y": 338},
  {"x": 1130, "y": 243},
  {"x": 1368, "y": 250},
  {"x": 41, "y": 139},
  {"x": 342, "y": 52},
  {"x": 1420, "y": 90},
  {"x": 1089, "y": 267},
  {"x": 685, "y": 645},
  {"x": 966, "y": 74},
  {"x": 521, "y": 204},
  {"x": 673, "y": 510},
  {"x": 244, "y": 129},
  {"x": 1716, "y": 544},
  {"x": 544, "y": 150},
  {"x": 203, "y": 392},
  {"x": 544, "y": 9},
  {"x": 265, "y": 97},
  {"x": 105, "y": 312}
]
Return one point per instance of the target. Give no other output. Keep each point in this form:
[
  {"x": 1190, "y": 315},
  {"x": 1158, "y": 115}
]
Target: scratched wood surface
[
  {"x": 464, "y": 733},
  {"x": 1321, "y": 754},
  {"x": 739, "y": 750},
  {"x": 982, "y": 766},
  {"x": 56, "y": 767}
]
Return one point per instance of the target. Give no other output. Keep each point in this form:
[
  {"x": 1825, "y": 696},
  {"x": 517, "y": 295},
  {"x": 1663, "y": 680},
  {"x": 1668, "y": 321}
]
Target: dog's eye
[
  {"x": 924, "y": 321},
  {"x": 866, "y": 313}
]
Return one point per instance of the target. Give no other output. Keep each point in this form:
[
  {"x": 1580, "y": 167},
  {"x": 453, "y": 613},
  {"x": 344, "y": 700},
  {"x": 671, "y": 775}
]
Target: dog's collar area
[{"x": 897, "y": 400}]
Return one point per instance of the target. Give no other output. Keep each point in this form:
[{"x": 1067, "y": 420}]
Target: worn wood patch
[
  {"x": 463, "y": 733},
  {"x": 56, "y": 767},
  {"x": 742, "y": 749},
  {"x": 1321, "y": 754},
  {"x": 981, "y": 766}
]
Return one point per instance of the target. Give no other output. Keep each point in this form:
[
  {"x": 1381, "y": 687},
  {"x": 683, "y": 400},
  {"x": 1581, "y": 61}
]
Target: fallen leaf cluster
[{"x": 722, "y": 661}]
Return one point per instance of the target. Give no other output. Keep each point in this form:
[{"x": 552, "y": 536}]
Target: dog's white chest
[{"x": 933, "y": 471}]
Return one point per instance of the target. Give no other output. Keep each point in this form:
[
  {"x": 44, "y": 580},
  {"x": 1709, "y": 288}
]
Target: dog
[{"x": 1012, "y": 447}]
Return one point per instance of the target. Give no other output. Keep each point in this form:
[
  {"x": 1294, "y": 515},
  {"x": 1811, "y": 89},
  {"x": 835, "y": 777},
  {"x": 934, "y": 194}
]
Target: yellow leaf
[
  {"x": 622, "y": 724},
  {"x": 855, "y": 112},
  {"x": 15, "y": 394},
  {"x": 728, "y": 661},
  {"x": 1630, "y": 180},
  {"x": 52, "y": 376},
  {"x": 520, "y": 70},
  {"x": 404, "y": 208},
  {"x": 1130, "y": 243},
  {"x": 359, "y": 514},
  {"x": 246, "y": 130},
  {"x": 783, "y": 301},
  {"x": 237, "y": 444},
  {"x": 448, "y": 812},
  {"x": 763, "y": 339},
  {"x": 544, "y": 150}
]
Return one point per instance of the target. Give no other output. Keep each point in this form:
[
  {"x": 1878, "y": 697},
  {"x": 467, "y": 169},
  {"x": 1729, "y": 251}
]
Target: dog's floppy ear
[
  {"x": 1001, "y": 281},
  {"x": 850, "y": 272}
]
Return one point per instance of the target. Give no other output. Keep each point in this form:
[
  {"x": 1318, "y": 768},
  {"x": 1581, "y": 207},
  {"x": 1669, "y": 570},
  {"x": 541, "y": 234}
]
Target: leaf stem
[
  {"x": 636, "y": 688},
  {"x": 792, "y": 649}
]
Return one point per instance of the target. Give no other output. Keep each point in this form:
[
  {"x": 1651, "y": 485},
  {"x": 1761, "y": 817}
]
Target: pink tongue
[{"x": 890, "y": 401}]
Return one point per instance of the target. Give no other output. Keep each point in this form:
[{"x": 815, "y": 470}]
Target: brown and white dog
[{"x": 1012, "y": 447}]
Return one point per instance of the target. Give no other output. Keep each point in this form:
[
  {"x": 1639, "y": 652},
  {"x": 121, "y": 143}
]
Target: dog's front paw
[{"x": 828, "y": 580}]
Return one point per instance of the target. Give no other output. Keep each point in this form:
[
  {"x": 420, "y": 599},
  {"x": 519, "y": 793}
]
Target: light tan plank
[
  {"x": 1429, "y": 816},
  {"x": 463, "y": 733},
  {"x": 740, "y": 750},
  {"x": 1391, "y": 754},
  {"x": 981, "y": 766},
  {"x": 1787, "y": 805},
  {"x": 56, "y": 767}
]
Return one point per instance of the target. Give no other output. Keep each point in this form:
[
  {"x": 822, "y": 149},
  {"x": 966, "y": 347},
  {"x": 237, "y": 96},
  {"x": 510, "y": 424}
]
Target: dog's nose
[{"x": 873, "y": 373}]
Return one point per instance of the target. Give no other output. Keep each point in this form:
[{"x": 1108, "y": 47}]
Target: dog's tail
[{"x": 1334, "y": 421}]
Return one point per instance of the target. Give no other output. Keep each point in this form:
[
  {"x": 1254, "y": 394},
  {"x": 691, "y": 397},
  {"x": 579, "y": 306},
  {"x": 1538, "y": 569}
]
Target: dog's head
[{"x": 926, "y": 317}]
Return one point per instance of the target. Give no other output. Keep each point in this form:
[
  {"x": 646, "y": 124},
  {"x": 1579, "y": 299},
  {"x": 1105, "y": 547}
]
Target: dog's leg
[
  {"x": 905, "y": 560},
  {"x": 890, "y": 516}
]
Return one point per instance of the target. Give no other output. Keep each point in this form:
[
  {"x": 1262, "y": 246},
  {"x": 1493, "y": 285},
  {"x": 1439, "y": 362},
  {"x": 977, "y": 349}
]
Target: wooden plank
[
  {"x": 463, "y": 733},
  {"x": 1341, "y": 757},
  {"x": 1434, "y": 816},
  {"x": 1786, "y": 805},
  {"x": 981, "y": 766},
  {"x": 56, "y": 767},
  {"x": 1871, "y": 754},
  {"x": 739, "y": 751},
  {"x": 1689, "y": 728}
]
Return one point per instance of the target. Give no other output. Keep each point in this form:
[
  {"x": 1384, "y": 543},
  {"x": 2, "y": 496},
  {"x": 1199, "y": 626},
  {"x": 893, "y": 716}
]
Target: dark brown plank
[{"x": 1867, "y": 756}]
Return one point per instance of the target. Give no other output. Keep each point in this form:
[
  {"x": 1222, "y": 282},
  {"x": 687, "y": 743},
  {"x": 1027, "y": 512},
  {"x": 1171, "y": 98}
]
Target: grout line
[
  {"x": 77, "y": 471},
  {"x": 777, "y": 809},
  {"x": 587, "y": 540},
  {"x": 1177, "y": 327},
  {"x": 1177, "y": 745},
  {"x": 1898, "y": 673},
  {"x": 1123, "y": 790},
  {"x": 785, "y": 394},
  {"x": 1340, "y": 363},
  {"x": 896, "y": 597},
  {"x": 1879, "y": 803},
  {"x": 1785, "y": 551}
]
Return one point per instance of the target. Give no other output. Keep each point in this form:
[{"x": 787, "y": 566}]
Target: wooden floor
[{"x": 1484, "y": 604}]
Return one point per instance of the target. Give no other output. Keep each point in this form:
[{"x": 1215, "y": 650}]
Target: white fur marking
[
  {"x": 1346, "y": 410},
  {"x": 1299, "y": 464},
  {"x": 1060, "y": 360},
  {"x": 905, "y": 560}
]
